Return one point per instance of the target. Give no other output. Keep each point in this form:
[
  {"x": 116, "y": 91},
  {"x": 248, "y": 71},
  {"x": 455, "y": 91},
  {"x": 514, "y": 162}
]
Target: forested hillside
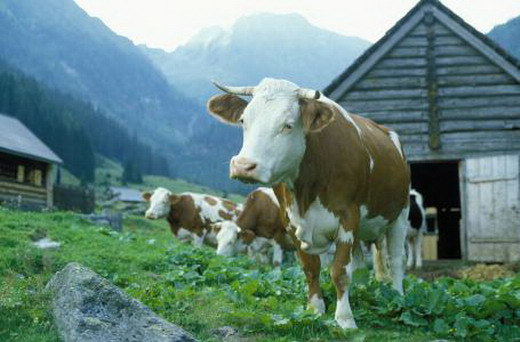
[
  {"x": 75, "y": 130},
  {"x": 508, "y": 36}
]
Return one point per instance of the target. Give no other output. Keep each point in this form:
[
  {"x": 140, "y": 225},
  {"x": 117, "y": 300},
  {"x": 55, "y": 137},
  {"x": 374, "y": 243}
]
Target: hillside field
[{"x": 202, "y": 292}]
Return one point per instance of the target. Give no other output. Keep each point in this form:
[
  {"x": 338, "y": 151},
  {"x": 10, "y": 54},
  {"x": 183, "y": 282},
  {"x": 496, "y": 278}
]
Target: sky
[{"x": 167, "y": 24}]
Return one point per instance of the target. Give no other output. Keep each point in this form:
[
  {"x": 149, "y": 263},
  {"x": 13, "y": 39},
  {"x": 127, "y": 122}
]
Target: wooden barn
[
  {"x": 453, "y": 96},
  {"x": 25, "y": 166}
]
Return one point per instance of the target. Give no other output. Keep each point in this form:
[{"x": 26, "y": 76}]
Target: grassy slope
[{"x": 200, "y": 291}]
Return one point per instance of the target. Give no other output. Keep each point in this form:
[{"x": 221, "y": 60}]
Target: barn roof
[
  {"x": 17, "y": 139},
  {"x": 372, "y": 55}
]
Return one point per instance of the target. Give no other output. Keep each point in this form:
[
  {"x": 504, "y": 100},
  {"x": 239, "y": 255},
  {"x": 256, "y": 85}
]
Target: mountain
[
  {"x": 73, "y": 129},
  {"x": 60, "y": 45},
  {"x": 257, "y": 46},
  {"x": 508, "y": 36}
]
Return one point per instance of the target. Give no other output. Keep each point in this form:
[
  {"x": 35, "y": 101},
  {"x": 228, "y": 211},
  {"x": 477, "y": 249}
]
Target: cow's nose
[
  {"x": 149, "y": 216},
  {"x": 243, "y": 168}
]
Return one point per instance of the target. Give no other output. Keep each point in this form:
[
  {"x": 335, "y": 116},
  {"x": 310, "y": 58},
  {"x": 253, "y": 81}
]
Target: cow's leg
[
  {"x": 396, "y": 236},
  {"x": 380, "y": 257},
  {"x": 418, "y": 249},
  {"x": 198, "y": 240},
  {"x": 311, "y": 267},
  {"x": 410, "y": 250},
  {"x": 342, "y": 268},
  {"x": 277, "y": 255}
]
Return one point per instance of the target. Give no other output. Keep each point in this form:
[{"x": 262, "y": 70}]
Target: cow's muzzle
[{"x": 243, "y": 169}]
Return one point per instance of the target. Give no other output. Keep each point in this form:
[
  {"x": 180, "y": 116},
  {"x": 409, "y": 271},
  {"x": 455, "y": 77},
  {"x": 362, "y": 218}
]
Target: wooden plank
[
  {"x": 481, "y": 113},
  {"x": 448, "y": 41},
  {"x": 22, "y": 187},
  {"x": 489, "y": 101},
  {"x": 385, "y": 94},
  {"x": 414, "y": 51},
  {"x": 474, "y": 80},
  {"x": 453, "y": 70},
  {"x": 397, "y": 116},
  {"x": 483, "y": 136},
  {"x": 460, "y": 60},
  {"x": 478, "y": 125},
  {"x": 402, "y": 63},
  {"x": 390, "y": 83},
  {"x": 397, "y": 72},
  {"x": 14, "y": 193},
  {"x": 439, "y": 28},
  {"x": 413, "y": 42},
  {"x": 367, "y": 106},
  {"x": 490, "y": 90},
  {"x": 409, "y": 128},
  {"x": 455, "y": 50}
]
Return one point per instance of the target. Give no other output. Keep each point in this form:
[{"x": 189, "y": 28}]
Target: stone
[
  {"x": 46, "y": 243},
  {"x": 87, "y": 307}
]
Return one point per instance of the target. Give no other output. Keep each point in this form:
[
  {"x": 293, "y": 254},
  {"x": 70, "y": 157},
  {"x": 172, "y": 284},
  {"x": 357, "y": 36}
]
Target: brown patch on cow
[
  {"x": 225, "y": 215},
  {"x": 328, "y": 166},
  {"x": 247, "y": 236},
  {"x": 230, "y": 206},
  {"x": 262, "y": 216},
  {"x": 315, "y": 115},
  {"x": 185, "y": 214},
  {"x": 227, "y": 108},
  {"x": 210, "y": 200}
]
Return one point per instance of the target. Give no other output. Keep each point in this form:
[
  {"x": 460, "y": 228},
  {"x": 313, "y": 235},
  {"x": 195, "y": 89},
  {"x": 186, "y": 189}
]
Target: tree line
[{"x": 74, "y": 129}]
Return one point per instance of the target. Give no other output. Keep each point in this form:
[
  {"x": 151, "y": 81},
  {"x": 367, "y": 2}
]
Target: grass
[{"x": 200, "y": 291}]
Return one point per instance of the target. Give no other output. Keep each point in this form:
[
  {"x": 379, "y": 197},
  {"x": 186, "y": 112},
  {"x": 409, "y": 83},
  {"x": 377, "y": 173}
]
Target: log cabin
[
  {"x": 453, "y": 95},
  {"x": 26, "y": 165}
]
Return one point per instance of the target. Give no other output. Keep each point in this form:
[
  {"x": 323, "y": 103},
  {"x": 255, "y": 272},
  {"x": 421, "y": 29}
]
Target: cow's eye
[
  {"x": 287, "y": 127},
  {"x": 241, "y": 121}
]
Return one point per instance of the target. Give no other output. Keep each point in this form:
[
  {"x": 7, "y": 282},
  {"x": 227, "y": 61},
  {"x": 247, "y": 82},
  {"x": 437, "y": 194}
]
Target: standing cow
[
  {"x": 339, "y": 178},
  {"x": 258, "y": 226},
  {"x": 414, "y": 236},
  {"x": 190, "y": 215}
]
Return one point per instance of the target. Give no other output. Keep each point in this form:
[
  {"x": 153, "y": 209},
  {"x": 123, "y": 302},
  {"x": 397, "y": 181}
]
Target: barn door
[{"x": 492, "y": 213}]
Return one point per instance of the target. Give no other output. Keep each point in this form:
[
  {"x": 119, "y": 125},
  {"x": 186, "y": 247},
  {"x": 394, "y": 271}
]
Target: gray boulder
[{"x": 88, "y": 307}]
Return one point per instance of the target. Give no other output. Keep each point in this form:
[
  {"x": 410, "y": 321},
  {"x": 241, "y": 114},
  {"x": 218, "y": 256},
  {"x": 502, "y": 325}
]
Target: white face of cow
[
  {"x": 228, "y": 243},
  {"x": 160, "y": 203},
  {"x": 274, "y": 126}
]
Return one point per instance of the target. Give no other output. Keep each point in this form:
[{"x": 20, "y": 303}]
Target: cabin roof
[
  {"x": 17, "y": 139},
  {"x": 127, "y": 194},
  {"x": 373, "y": 54}
]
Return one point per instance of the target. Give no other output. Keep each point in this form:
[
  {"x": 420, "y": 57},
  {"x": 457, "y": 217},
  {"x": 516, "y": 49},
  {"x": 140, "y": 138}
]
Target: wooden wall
[{"x": 443, "y": 97}]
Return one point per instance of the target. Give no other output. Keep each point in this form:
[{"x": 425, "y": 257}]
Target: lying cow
[
  {"x": 257, "y": 227},
  {"x": 416, "y": 229},
  {"x": 339, "y": 178},
  {"x": 191, "y": 216}
]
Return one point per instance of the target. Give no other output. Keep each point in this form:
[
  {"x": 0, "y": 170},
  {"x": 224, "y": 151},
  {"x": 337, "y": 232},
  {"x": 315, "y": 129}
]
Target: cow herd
[{"x": 334, "y": 183}]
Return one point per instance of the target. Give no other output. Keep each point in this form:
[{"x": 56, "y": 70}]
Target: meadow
[{"x": 202, "y": 292}]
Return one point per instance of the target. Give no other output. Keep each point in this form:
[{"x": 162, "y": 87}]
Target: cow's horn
[
  {"x": 245, "y": 91},
  {"x": 309, "y": 94}
]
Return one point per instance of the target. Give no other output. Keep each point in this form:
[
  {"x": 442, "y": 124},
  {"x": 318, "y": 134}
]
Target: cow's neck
[{"x": 333, "y": 168}]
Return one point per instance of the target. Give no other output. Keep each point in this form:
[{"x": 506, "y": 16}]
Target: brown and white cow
[
  {"x": 191, "y": 216},
  {"x": 339, "y": 178},
  {"x": 258, "y": 226},
  {"x": 416, "y": 230}
]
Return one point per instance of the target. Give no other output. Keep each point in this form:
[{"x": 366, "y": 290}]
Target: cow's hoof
[
  {"x": 317, "y": 305},
  {"x": 346, "y": 323}
]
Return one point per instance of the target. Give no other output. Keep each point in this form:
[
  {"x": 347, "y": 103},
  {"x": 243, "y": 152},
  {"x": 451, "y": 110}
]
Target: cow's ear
[
  {"x": 227, "y": 108},
  {"x": 146, "y": 196},
  {"x": 247, "y": 235},
  {"x": 174, "y": 199},
  {"x": 316, "y": 115}
]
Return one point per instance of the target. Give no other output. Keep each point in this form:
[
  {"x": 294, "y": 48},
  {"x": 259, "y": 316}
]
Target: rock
[
  {"x": 226, "y": 332},
  {"x": 87, "y": 307},
  {"x": 46, "y": 243}
]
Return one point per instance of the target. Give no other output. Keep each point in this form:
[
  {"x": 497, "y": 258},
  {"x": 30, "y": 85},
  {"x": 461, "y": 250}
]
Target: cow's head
[
  {"x": 275, "y": 123},
  {"x": 231, "y": 239},
  {"x": 160, "y": 201}
]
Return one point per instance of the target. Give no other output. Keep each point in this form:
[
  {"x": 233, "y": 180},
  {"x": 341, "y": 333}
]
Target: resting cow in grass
[
  {"x": 414, "y": 236},
  {"x": 191, "y": 216},
  {"x": 258, "y": 226},
  {"x": 339, "y": 178}
]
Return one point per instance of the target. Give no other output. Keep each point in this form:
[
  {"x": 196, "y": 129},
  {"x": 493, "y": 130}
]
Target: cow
[
  {"x": 191, "y": 216},
  {"x": 258, "y": 225},
  {"x": 416, "y": 229},
  {"x": 339, "y": 178}
]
